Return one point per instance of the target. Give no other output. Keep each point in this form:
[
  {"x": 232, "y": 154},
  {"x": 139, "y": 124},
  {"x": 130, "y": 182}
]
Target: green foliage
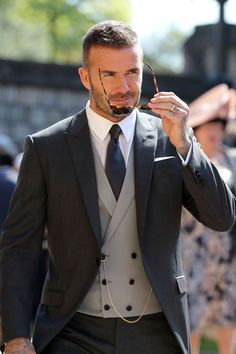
[{"x": 46, "y": 30}]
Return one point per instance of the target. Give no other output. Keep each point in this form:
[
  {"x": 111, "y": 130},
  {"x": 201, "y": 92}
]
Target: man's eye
[
  {"x": 108, "y": 75},
  {"x": 133, "y": 72}
]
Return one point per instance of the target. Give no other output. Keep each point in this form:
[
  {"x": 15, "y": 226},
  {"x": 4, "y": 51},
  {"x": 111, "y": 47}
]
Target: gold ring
[{"x": 174, "y": 109}]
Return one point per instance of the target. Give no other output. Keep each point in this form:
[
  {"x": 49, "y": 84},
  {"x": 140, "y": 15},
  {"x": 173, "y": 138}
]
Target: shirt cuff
[{"x": 186, "y": 161}]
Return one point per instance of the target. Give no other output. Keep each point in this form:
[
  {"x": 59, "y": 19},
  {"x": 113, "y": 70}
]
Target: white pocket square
[{"x": 163, "y": 158}]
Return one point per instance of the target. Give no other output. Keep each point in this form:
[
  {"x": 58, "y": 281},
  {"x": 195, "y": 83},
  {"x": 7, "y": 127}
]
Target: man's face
[{"x": 121, "y": 75}]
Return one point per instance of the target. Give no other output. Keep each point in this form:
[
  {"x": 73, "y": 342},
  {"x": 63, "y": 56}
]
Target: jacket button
[
  {"x": 129, "y": 308},
  {"x": 134, "y": 255},
  {"x": 104, "y": 282},
  {"x": 106, "y": 307},
  {"x": 131, "y": 281}
]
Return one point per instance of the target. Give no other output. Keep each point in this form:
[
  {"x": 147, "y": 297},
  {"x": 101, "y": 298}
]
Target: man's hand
[
  {"x": 19, "y": 346},
  {"x": 174, "y": 113}
]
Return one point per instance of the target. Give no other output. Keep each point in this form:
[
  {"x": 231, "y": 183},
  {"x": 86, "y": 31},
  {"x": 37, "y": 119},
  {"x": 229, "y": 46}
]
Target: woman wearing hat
[{"x": 207, "y": 254}]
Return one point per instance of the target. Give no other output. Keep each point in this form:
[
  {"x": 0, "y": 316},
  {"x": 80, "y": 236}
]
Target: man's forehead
[{"x": 103, "y": 54}]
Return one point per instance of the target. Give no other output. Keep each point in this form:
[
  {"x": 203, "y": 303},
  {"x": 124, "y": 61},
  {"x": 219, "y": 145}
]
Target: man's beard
[{"x": 102, "y": 101}]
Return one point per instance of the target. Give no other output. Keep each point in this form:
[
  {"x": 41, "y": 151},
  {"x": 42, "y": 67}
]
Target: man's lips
[{"x": 121, "y": 101}]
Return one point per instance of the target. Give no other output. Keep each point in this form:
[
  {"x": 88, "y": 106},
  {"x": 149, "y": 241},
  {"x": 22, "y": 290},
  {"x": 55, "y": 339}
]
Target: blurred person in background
[
  {"x": 230, "y": 131},
  {"x": 208, "y": 255},
  {"x": 8, "y": 175}
]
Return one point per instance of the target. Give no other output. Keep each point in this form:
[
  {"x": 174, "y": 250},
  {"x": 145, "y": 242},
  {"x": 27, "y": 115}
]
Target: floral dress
[{"x": 209, "y": 269}]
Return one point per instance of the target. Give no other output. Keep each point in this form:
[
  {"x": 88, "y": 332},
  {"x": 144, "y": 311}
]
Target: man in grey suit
[{"x": 109, "y": 183}]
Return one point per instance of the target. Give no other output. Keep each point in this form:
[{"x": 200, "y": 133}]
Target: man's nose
[{"x": 122, "y": 84}]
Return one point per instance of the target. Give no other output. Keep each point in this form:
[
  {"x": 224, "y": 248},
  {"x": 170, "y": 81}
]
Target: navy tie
[{"x": 115, "y": 164}]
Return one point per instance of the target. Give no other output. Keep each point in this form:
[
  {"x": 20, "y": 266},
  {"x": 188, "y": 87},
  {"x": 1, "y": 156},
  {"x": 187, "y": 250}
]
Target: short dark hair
[{"x": 112, "y": 34}]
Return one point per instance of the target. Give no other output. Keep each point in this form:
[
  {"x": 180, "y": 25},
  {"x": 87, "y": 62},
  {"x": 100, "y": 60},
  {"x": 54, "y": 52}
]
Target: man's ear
[{"x": 84, "y": 77}]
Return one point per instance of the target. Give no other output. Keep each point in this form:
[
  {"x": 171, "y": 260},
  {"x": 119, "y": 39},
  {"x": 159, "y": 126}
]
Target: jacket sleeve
[
  {"x": 20, "y": 246},
  {"x": 207, "y": 196}
]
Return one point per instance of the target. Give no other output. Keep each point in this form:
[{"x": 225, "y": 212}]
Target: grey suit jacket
[{"x": 57, "y": 186}]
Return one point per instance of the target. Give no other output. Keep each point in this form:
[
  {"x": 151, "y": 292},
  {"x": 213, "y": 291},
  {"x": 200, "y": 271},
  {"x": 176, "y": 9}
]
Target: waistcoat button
[
  {"x": 134, "y": 255},
  {"x": 106, "y": 307},
  {"x": 129, "y": 308},
  {"x": 104, "y": 282},
  {"x": 131, "y": 281}
]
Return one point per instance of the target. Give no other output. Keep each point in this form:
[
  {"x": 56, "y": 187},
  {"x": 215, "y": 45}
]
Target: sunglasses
[{"x": 126, "y": 110}]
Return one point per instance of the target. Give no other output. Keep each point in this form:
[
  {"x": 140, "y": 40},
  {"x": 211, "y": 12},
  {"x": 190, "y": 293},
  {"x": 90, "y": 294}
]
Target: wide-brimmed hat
[{"x": 216, "y": 103}]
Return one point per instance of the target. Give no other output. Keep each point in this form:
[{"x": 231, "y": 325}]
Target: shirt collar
[{"x": 100, "y": 126}]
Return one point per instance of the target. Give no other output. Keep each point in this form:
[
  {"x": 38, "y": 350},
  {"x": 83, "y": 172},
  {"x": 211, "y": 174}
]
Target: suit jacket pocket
[
  {"x": 168, "y": 162},
  {"x": 164, "y": 158},
  {"x": 52, "y": 297},
  {"x": 181, "y": 284}
]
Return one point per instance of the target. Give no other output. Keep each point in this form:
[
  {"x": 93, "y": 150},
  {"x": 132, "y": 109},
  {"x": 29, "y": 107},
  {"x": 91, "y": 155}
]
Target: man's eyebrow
[
  {"x": 107, "y": 72},
  {"x": 134, "y": 70},
  {"x": 113, "y": 72}
]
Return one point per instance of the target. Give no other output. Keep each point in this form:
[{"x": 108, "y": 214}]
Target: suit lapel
[
  {"x": 124, "y": 201},
  {"x": 104, "y": 189},
  {"x": 78, "y": 139},
  {"x": 145, "y": 141}
]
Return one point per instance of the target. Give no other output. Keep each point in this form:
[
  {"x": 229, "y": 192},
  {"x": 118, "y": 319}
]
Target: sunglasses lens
[
  {"x": 144, "y": 107},
  {"x": 117, "y": 111},
  {"x": 122, "y": 110}
]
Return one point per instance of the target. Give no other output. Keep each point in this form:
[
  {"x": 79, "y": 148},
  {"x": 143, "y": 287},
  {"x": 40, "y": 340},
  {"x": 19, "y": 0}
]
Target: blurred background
[{"x": 190, "y": 43}]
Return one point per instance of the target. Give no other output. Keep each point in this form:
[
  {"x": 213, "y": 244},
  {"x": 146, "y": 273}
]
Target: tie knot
[{"x": 115, "y": 132}]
